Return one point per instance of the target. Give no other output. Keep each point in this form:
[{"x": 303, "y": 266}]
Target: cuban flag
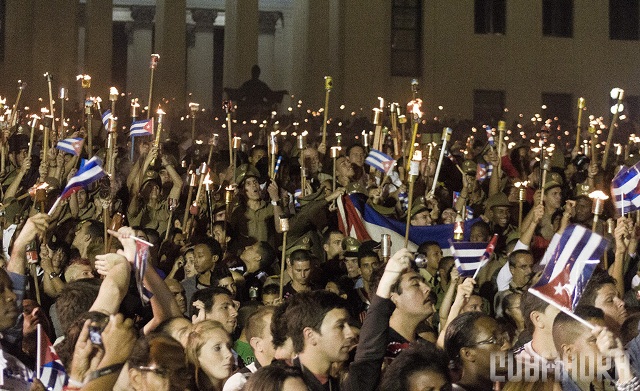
[
  {"x": 71, "y": 145},
  {"x": 106, "y": 116},
  {"x": 359, "y": 220},
  {"x": 140, "y": 268},
  {"x": 625, "y": 189},
  {"x": 571, "y": 264},
  {"x": 51, "y": 372},
  {"x": 490, "y": 135},
  {"x": 142, "y": 128},
  {"x": 90, "y": 171},
  {"x": 470, "y": 256},
  {"x": 481, "y": 172},
  {"x": 380, "y": 161}
]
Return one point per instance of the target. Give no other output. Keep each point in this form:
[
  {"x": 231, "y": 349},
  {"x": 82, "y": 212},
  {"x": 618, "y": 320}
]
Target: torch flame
[
  {"x": 113, "y": 91},
  {"x": 414, "y": 106},
  {"x": 598, "y": 194}
]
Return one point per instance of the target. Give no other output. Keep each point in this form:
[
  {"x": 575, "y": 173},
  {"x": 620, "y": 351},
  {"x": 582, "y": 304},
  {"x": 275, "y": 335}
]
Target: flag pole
[
  {"x": 446, "y": 135},
  {"x": 284, "y": 227},
  {"x": 489, "y": 251},
  {"x": 328, "y": 85},
  {"x": 153, "y": 65},
  {"x": 561, "y": 308},
  {"x": 413, "y": 174},
  {"x": 38, "y": 350}
]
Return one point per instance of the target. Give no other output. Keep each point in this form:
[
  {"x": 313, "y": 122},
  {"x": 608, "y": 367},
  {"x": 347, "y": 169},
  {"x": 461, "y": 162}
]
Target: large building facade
[{"x": 482, "y": 59}]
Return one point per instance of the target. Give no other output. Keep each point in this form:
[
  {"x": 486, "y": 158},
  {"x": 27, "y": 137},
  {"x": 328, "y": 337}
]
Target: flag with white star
[{"x": 570, "y": 266}]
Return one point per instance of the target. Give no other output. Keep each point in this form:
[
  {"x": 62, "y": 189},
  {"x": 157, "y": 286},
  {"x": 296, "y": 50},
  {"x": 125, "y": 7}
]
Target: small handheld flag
[
  {"x": 71, "y": 145},
  {"x": 106, "y": 116},
  {"x": 490, "y": 135},
  {"x": 140, "y": 267},
  {"x": 625, "y": 189},
  {"x": 570, "y": 267},
  {"x": 142, "y": 128},
  {"x": 471, "y": 257},
  {"x": 380, "y": 161},
  {"x": 89, "y": 172}
]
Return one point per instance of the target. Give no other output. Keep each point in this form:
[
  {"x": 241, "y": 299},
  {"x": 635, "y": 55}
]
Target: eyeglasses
[{"x": 157, "y": 370}]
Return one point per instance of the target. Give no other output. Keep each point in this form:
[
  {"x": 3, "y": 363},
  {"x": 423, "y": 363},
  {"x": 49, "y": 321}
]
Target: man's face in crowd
[
  {"x": 351, "y": 263},
  {"x": 252, "y": 188},
  {"x": 334, "y": 247},
  {"x": 312, "y": 160},
  {"x": 448, "y": 216},
  {"x": 229, "y": 284},
  {"x": 414, "y": 298},
  {"x": 473, "y": 304},
  {"x": 8, "y": 306},
  {"x": 78, "y": 271},
  {"x": 479, "y": 235},
  {"x": 164, "y": 176},
  {"x": 189, "y": 264},
  {"x": 219, "y": 235},
  {"x": 421, "y": 219},
  {"x": 433, "y": 256},
  {"x": 584, "y": 350},
  {"x": 583, "y": 210},
  {"x": 553, "y": 198},
  {"x": 612, "y": 305},
  {"x": 367, "y": 266},
  {"x": 178, "y": 292},
  {"x": 203, "y": 259},
  {"x": 344, "y": 168},
  {"x": 489, "y": 342},
  {"x": 335, "y": 338},
  {"x": 501, "y": 215},
  {"x": 522, "y": 270},
  {"x": 82, "y": 198},
  {"x": 250, "y": 256},
  {"x": 356, "y": 156},
  {"x": 300, "y": 272},
  {"x": 269, "y": 298},
  {"x": 224, "y": 311}
]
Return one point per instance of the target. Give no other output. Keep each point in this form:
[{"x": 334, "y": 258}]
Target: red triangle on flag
[
  {"x": 387, "y": 165},
  {"x": 149, "y": 126}
]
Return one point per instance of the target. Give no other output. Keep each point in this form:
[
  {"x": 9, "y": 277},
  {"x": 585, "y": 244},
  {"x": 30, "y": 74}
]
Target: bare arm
[{"x": 114, "y": 287}]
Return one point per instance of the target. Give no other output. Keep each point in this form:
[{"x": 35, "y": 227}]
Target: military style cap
[
  {"x": 245, "y": 171},
  {"x": 582, "y": 190},
  {"x": 350, "y": 246},
  {"x": 499, "y": 199},
  {"x": 419, "y": 206},
  {"x": 151, "y": 176},
  {"x": 469, "y": 167},
  {"x": 304, "y": 242},
  {"x": 551, "y": 185},
  {"x": 318, "y": 195}
]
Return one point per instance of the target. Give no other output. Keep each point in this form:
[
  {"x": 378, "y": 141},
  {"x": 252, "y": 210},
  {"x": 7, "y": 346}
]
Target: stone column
[
  {"x": 267, "y": 56},
  {"x": 98, "y": 45},
  {"x": 240, "y": 41},
  {"x": 170, "y": 44},
  {"x": 140, "y": 36},
  {"x": 200, "y": 58},
  {"x": 18, "y": 48}
]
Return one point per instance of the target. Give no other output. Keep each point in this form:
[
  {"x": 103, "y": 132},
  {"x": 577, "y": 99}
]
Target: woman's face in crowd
[
  {"x": 215, "y": 357},
  {"x": 189, "y": 268},
  {"x": 252, "y": 188}
]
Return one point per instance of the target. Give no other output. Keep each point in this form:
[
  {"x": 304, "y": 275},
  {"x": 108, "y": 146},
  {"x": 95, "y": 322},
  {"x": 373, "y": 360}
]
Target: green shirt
[{"x": 245, "y": 352}]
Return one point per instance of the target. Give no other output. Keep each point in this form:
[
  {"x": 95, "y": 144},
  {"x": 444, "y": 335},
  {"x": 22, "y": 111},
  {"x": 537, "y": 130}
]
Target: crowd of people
[{"x": 226, "y": 303}]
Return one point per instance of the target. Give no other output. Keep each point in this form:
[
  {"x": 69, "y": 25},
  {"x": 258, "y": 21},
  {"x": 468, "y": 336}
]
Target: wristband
[{"x": 104, "y": 371}]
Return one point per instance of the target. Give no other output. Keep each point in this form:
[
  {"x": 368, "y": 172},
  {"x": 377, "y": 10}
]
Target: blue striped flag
[
  {"x": 277, "y": 167},
  {"x": 570, "y": 267},
  {"x": 52, "y": 372},
  {"x": 470, "y": 256},
  {"x": 140, "y": 268},
  {"x": 106, "y": 116},
  {"x": 142, "y": 128},
  {"x": 71, "y": 145},
  {"x": 90, "y": 171},
  {"x": 380, "y": 161},
  {"x": 625, "y": 189},
  {"x": 490, "y": 135}
]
